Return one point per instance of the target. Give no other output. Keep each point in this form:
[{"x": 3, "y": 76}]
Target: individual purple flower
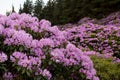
[
  {"x": 1, "y": 29},
  {"x": 44, "y": 24},
  {"x": 46, "y": 42},
  {"x": 24, "y": 63},
  {"x": 8, "y": 76},
  {"x": 3, "y": 57},
  {"x": 47, "y": 74},
  {"x": 17, "y": 56}
]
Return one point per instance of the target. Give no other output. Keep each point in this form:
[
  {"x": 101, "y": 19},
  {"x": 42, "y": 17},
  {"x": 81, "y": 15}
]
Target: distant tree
[
  {"x": 57, "y": 12},
  {"x": 70, "y": 11},
  {"x": 8, "y": 13},
  {"x": 20, "y": 10},
  {"x": 13, "y": 10},
  {"x": 38, "y": 9},
  {"x": 48, "y": 10},
  {"x": 28, "y": 7}
]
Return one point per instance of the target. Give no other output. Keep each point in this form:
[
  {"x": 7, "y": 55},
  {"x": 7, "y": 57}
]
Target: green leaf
[
  {"x": 3, "y": 68},
  {"x": 28, "y": 73},
  {"x": 18, "y": 69},
  {"x": 23, "y": 71},
  {"x": 21, "y": 48}
]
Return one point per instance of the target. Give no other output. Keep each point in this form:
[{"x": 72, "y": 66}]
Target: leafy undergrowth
[{"x": 106, "y": 69}]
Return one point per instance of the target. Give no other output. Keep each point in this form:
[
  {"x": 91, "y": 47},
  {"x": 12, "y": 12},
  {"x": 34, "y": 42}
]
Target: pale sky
[{"x": 6, "y": 5}]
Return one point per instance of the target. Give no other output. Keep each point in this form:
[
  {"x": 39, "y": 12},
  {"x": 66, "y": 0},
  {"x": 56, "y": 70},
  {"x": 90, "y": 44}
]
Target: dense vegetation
[
  {"x": 64, "y": 11},
  {"x": 31, "y": 48}
]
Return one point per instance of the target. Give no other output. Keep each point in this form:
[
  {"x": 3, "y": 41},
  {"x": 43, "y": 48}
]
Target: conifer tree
[
  {"x": 13, "y": 9},
  {"x": 28, "y": 7},
  {"x": 38, "y": 9},
  {"x": 20, "y": 10},
  {"x": 48, "y": 10}
]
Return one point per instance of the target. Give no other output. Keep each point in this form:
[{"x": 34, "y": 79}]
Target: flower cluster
[
  {"x": 44, "y": 72},
  {"x": 100, "y": 38},
  {"x": 74, "y": 56},
  {"x": 8, "y": 76},
  {"x": 22, "y": 60}
]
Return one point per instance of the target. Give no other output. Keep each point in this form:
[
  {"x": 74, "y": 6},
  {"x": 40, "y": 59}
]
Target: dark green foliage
[
  {"x": 20, "y": 10},
  {"x": 38, "y": 9},
  {"x": 13, "y": 10},
  {"x": 64, "y": 11},
  {"x": 7, "y": 13},
  {"x": 48, "y": 10},
  {"x": 27, "y": 7}
]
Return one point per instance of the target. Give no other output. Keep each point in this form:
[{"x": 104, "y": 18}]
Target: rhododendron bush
[
  {"x": 103, "y": 39},
  {"x": 34, "y": 50}
]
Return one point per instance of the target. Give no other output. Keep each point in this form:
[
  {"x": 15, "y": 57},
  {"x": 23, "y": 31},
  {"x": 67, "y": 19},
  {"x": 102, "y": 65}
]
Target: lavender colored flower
[
  {"x": 1, "y": 29},
  {"x": 25, "y": 61},
  {"x": 47, "y": 74},
  {"x": 46, "y": 42},
  {"x": 8, "y": 76},
  {"x": 3, "y": 57},
  {"x": 44, "y": 24}
]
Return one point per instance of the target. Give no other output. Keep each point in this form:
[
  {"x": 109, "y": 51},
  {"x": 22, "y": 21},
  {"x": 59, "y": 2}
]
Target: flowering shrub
[{"x": 31, "y": 49}]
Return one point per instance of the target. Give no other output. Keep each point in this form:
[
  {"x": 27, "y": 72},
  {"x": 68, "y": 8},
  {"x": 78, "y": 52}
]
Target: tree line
[{"x": 69, "y": 11}]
